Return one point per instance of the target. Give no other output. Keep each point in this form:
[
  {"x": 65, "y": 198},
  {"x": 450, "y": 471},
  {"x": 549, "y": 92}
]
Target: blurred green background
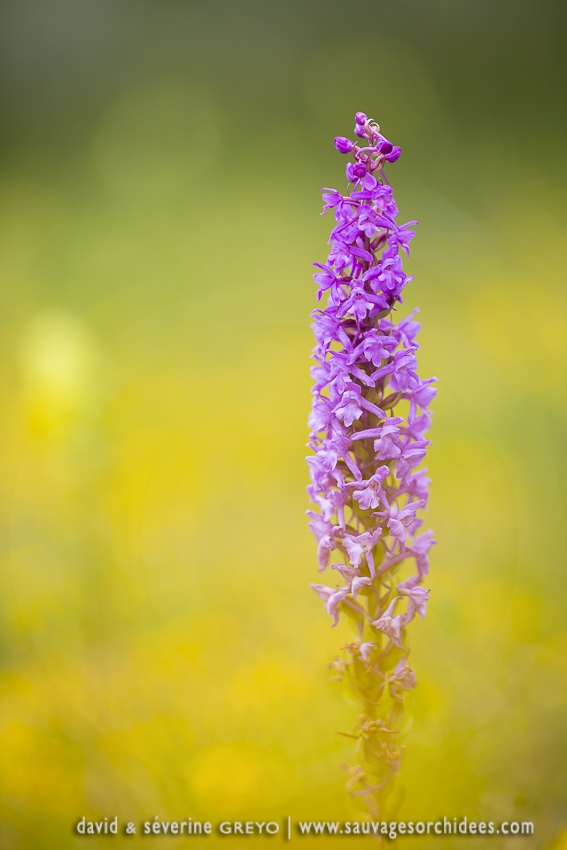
[{"x": 160, "y": 173}]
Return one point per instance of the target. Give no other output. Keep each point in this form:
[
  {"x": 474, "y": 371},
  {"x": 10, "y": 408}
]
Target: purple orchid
[{"x": 368, "y": 422}]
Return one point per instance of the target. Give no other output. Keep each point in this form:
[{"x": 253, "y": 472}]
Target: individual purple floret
[{"x": 368, "y": 427}]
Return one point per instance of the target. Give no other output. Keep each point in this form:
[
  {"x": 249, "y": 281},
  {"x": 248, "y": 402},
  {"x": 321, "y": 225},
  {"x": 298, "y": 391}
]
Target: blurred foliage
[{"x": 160, "y": 174}]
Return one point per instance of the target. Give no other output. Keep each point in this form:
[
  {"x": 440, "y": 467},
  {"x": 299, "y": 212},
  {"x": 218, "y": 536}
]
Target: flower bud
[
  {"x": 343, "y": 145},
  {"x": 361, "y": 118},
  {"x": 355, "y": 171},
  {"x": 384, "y": 146},
  {"x": 394, "y": 154}
]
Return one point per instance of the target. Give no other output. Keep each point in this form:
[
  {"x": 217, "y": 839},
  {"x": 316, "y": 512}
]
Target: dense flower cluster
[{"x": 367, "y": 428}]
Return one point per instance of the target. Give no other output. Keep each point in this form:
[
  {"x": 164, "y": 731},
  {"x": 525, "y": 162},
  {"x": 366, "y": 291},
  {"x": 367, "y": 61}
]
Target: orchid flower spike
[{"x": 368, "y": 426}]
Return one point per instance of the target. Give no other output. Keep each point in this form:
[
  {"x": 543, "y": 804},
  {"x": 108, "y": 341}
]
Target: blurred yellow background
[{"x": 162, "y": 653}]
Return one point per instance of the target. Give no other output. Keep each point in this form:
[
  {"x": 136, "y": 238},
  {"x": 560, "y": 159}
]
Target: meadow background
[{"x": 160, "y": 168}]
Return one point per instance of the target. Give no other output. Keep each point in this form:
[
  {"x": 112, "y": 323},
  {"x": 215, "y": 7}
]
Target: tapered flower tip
[
  {"x": 343, "y": 145},
  {"x": 361, "y": 118}
]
